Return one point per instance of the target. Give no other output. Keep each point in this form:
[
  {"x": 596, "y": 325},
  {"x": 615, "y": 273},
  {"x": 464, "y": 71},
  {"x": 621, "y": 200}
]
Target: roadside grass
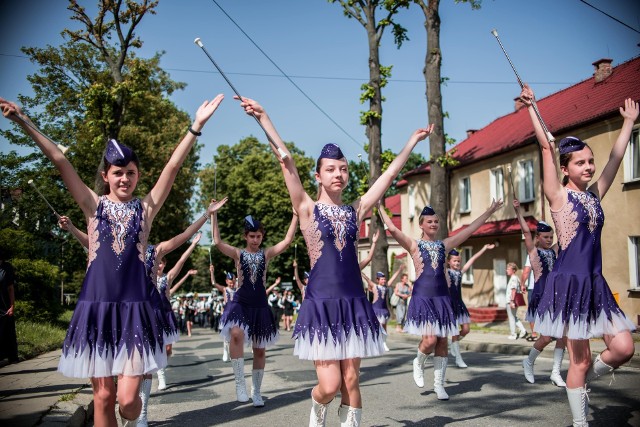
[{"x": 35, "y": 338}]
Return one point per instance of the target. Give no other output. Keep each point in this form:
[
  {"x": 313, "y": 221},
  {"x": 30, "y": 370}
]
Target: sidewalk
[{"x": 34, "y": 393}]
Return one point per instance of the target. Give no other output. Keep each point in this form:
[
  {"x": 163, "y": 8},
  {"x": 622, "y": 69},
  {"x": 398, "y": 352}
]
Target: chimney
[
  {"x": 471, "y": 132},
  {"x": 602, "y": 69},
  {"x": 518, "y": 104}
]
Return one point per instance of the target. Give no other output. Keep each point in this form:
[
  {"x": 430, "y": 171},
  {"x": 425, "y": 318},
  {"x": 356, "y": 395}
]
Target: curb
[{"x": 77, "y": 412}]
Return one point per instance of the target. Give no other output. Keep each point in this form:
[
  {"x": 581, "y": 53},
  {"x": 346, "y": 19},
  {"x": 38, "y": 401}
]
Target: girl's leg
[
  {"x": 145, "y": 392},
  {"x": 259, "y": 356},
  {"x": 237, "y": 362},
  {"x": 558, "y": 355},
  {"x": 400, "y": 309},
  {"x": 426, "y": 346},
  {"x": 527, "y": 362},
  {"x": 464, "y": 331},
  {"x": 619, "y": 350},
  {"x": 104, "y": 401},
  {"x": 579, "y": 362},
  {"x": 455, "y": 345},
  {"x": 440, "y": 360},
  {"x": 384, "y": 338},
  {"x": 128, "y": 395},
  {"x": 329, "y": 383},
  {"x": 350, "y": 410},
  {"x": 189, "y": 326}
]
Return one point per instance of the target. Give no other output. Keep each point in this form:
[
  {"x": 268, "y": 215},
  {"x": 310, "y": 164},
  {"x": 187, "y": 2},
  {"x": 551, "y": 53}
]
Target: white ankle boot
[
  {"x": 597, "y": 369},
  {"x": 349, "y": 416},
  {"x": 418, "y": 369},
  {"x": 527, "y": 364},
  {"x": 145, "y": 391},
  {"x": 439, "y": 371},
  {"x": 579, "y": 404},
  {"x": 162, "y": 379},
  {"x": 256, "y": 378},
  {"x": 238, "y": 373},
  {"x": 384, "y": 343},
  {"x": 225, "y": 351},
  {"x": 556, "y": 378},
  {"x": 318, "y": 416},
  {"x": 455, "y": 351}
]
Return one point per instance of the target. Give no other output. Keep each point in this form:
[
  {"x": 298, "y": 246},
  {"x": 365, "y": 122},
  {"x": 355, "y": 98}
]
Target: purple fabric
[
  {"x": 430, "y": 306},
  {"x": 335, "y": 306},
  {"x": 151, "y": 262},
  {"x": 380, "y": 303},
  {"x": 119, "y": 309},
  {"x": 576, "y": 295},
  {"x": 544, "y": 263},
  {"x": 455, "y": 291},
  {"x": 249, "y": 308}
]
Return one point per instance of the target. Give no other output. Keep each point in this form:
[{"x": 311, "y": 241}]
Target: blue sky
[{"x": 552, "y": 43}]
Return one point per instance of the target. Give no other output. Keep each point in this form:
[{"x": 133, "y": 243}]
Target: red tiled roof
[
  {"x": 497, "y": 228},
  {"x": 562, "y": 112}
]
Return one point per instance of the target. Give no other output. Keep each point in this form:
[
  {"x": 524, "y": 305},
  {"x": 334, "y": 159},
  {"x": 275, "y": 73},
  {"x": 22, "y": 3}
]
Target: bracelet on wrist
[{"x": 194, "y": 132}]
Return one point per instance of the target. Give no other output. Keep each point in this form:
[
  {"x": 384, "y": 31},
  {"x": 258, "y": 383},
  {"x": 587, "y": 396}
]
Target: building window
[
  {"x": 527, "y": 182},
  {"x": 632, "y": 158},
  {"x": 466, "y": 254},
  {"x": 497, "y": 184},
  {"x": 465, "y": 195},
  {"x": 634, "y": 262}
]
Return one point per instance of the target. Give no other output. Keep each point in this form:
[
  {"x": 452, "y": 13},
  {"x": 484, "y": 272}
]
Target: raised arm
[
  {"x": 528, "y": 238},
  {"x": 276, "y": 283},
  {"x": 458, "y": 239},
  {"x": 370, "y": 284},
  {"x": 230, "y": 251},
  {"x": 175, "y": 287},
  {"x": 553, "y": 189},
  {"x": 213, "y": 279},
  {"x": 378, "y": 188},
  {"x": 394, "y": 276},
  {"x": 475, "y": 256},
  {"x": 83, "y": 195},
  {"x": 279, "y": 247},
  {"x": 630, "y": 114},
  {"x": 65, "y": 223},
  {"x": 158, "y": 194},
  {"x": 173, "y": 273},
  {"x": 175, "y": 242},
  {"x": 369, "y": 257},
  {"x": 296, "y": 276},
  {"x": 405, "y": 241},
  {"x": 302, "y": 203}
]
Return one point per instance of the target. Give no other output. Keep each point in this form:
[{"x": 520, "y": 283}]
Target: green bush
[{"x": 37, "y": 295}]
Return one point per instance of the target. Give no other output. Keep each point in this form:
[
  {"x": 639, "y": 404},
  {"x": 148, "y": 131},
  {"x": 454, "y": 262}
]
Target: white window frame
[
  {"x": 526, "y": 181},
  {"x": 464, "y": 187},
  {"x": 634, "y": 262},
  {"x": 632, "y": 154},
  {"x": 466, "y": 252},
  {"x": 496, "y": 187}
]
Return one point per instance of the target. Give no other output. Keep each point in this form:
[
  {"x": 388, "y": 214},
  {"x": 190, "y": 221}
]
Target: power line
[
  {"x": 287, "y": 77},
  {"x": 612, "y": 17}
]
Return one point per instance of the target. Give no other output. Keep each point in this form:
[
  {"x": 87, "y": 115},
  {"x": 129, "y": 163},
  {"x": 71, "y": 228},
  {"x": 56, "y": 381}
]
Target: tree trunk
[{"x": 439, "y": 177}]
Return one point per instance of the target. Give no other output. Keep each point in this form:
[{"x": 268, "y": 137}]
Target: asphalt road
[{"x": 491, "y": 392}]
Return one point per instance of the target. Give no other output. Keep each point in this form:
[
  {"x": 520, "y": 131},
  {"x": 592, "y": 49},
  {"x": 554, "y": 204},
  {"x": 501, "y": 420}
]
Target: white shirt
[{"x": 530, "y": 281}]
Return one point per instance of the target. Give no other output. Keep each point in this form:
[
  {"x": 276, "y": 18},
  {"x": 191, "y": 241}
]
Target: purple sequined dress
[
  {"x": 380, "y": 303},
  {"x": 249, "y": 309},
  {"x": 577, "y": 301},
  {"x": 542, "y": 261},
  {"x": 455, "y": 291},
  {"x": 430, "y": 311},
  {"x": 118, "y": 326},
  {"x": 336, "y": 321},
  {"x": 161, "y": 283}
]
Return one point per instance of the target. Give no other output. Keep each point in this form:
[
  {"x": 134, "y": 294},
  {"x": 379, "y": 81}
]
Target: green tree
[
  {"x": 91, "y": 88},
  {"x": 250, "y": 176},
  {"x": 439, "y": 177},
  {"x": 364, "y": 12}
]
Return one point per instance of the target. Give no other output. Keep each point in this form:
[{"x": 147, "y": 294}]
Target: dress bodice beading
[
  {"x": 335, "y": 321},
  {"x": 118, "y": 326},
  {"x": 429, "y": 260},
  {"x": 252, "y": 275}
]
